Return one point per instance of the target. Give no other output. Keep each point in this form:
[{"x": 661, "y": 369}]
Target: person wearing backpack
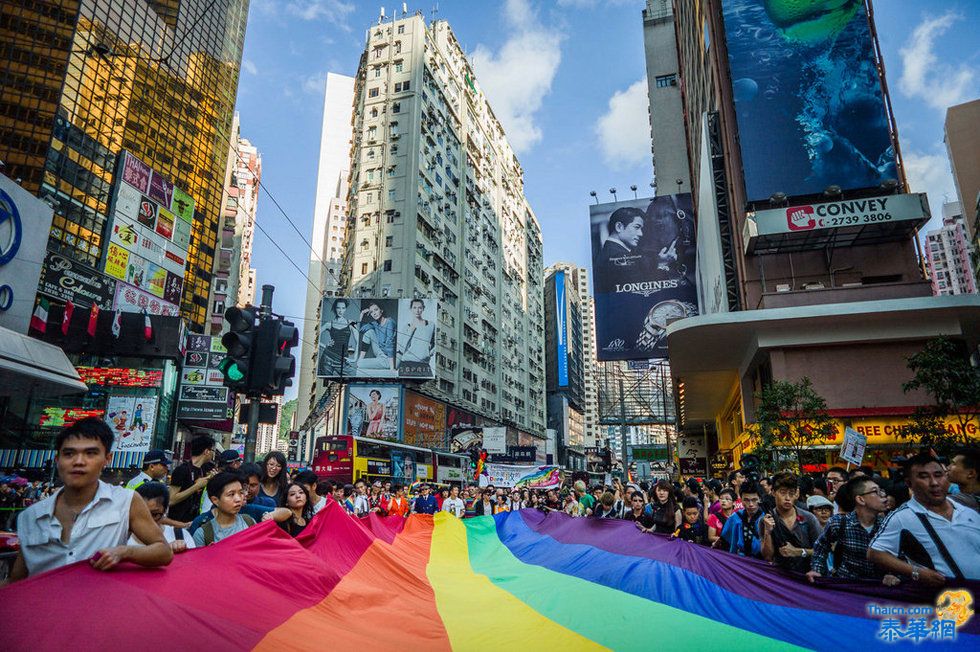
[{"x": 227, "y": 495}]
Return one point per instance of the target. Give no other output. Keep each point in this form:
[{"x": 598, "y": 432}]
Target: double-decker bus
[
  {"x": 346, "y": 459},
  {"x": 452, "y": 468}
]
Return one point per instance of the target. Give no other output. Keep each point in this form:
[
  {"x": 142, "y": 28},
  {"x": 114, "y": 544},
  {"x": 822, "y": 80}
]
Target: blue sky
[{"x": 567, "y": 79}]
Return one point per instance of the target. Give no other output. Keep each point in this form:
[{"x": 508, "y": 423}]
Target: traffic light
[
  {"x": 284, "y": 366},
  {"x": 240, "y": 344}
]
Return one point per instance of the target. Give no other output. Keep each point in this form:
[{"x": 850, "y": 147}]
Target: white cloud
[
  {"x": 518, "y": 76},
  {"x": 333, "y": 11},
  {"x": 938, "y": 84},
  {"x": 623, "y": 131},
  {"x": 929, "y": 173},
  {"x": 249, "y": 66},
  {"x": 314, "y": 84}
]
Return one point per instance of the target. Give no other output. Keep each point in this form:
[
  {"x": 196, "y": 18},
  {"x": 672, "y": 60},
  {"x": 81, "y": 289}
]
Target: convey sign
[{"x": 837, "y": 214}]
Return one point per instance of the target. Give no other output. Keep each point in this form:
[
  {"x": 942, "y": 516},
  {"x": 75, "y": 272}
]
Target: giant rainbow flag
[{"x": 517, "y": 581}]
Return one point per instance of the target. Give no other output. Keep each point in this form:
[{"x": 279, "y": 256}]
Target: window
[
  {"x": 373, "y": 92},
  {"x": 401, "y": 29},
  {"x": 402, "y": 86},
  {"x": 387, "y": 266},
  {"x": 363, "y": 268},
  {"x": 391, "y": 195},
  {"x": 398, "y": 66},
  {"x": 372, "y": 133},
  {"x": 389, "y": 241},
  {"x": 663, "y": 81},
  {"x": 377, "y": 72},
  {"x": 398, "y": 47},
  {"x": 396, "y": 107},
  {"x": 394, "y": 128},
  {"x": 374, "y": 112}
]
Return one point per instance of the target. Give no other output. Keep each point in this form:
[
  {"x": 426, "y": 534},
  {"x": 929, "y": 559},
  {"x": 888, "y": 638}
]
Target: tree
[
  {"x": 790, "y": 416},
  {"x": 286, "y": 418},
  {"x": 944, "y": 372}
]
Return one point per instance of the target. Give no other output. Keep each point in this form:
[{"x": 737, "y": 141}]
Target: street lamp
[
  {"x": 633, "y": 188},
  {"x": 592, "y": 194},
  {"x": 612, "y": 191}
]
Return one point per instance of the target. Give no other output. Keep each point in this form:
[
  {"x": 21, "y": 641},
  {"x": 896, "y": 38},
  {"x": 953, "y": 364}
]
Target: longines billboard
[{"x": 643, "y": 269}]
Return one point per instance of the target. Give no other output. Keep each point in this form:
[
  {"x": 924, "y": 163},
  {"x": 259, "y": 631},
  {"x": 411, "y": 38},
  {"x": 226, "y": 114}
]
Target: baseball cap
[
  {"x": 156, "y": 456},
  {"x": 228, "y": 456},
  {"x": 818, "y": 501}
]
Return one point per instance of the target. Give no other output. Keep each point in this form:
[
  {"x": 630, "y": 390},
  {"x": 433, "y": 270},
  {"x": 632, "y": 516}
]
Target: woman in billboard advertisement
[
  {"x": 336, "y": 337},
  {"x": 417, "y": 341},
  {"x": 375, "y": 414},
  {"x": 378, "y": 338}
]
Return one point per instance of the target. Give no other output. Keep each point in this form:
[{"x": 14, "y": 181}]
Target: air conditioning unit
[
  {"x": 814, "y": 286},
  {"x": 782, "y": 287}
]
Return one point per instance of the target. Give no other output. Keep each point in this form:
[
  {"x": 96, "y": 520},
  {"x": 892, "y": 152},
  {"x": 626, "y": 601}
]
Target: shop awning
[
  {"x": 30, "y": 366},
  {"x": 708, "y": 353}
]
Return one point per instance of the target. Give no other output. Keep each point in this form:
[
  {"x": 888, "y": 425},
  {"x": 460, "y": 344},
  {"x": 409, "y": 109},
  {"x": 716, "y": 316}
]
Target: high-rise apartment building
[
  {"x": 84, "y": 80},
  {"x": 671, "y": 169},
  {"x": 589, "y": 384},
  {"x": 329, "y": 228},
  {"x": 565, "y": 361},
  {"x": 807, "y": 263},
  {"x": 949, "y": 254},
  {"x": 961, "y": 132},
  {"x": 267, "y": 434},
  {"x": 233, "y": 277},
  {"x": 437, "y": 209}
]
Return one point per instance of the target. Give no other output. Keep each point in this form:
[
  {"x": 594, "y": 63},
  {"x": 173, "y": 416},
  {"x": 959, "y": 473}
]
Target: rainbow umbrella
[{"x": 516, "y": 581}]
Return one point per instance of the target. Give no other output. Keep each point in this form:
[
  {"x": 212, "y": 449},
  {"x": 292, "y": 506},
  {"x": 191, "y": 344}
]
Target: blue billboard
[
  {"x": 561, "y": 329},
  {"x": 808, "y": 97},
  {"x": 643, "y": 271}
]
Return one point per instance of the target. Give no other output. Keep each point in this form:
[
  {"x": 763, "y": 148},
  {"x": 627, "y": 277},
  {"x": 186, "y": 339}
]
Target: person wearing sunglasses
[{"x": 851, "y": 534}]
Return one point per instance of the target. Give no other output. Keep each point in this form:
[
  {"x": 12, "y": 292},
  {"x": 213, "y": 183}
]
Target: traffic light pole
[{"x": 255, "y": 401}]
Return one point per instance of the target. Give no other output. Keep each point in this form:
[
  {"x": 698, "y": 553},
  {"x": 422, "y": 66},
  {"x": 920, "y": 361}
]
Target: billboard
[
  {"x": 377, "y": 338},
  {"x": 66, "y": 280},
  {"x": 425, "y": 421},
  {"x": 149, "y": 238},
  {"x": 561, "y": 329},
  {"x": 808, "y": 98},
  {"x": 374, "y": 411},
  {"x": 132, "y": 419},
  {"x": 643, "y": 272},
  {"x": 202, "y": 395}
]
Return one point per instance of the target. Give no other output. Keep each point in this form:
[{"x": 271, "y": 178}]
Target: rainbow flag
[{"x": 517, "y": 581}]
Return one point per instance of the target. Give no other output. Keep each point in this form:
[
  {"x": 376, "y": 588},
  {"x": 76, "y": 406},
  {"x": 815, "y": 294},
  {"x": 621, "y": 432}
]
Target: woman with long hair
[
  {"x": 300, "y": 509},
  {"x": 274, "y": 477},
  {"x": 666, "y": 514},
  {"x": 484, "y": 506}
]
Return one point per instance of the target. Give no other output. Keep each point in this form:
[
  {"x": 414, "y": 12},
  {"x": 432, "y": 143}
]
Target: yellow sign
[{"x": 116, "y": 262}]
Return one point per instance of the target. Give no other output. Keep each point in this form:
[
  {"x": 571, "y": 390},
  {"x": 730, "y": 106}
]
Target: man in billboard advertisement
[
  {"x": 416, "y": 338},
  {"x": 645, "y": 278},
  {"x": 338, "y": 337},
  {"x": 808, "y": 97},
  {"x": 378, "y": 328}
]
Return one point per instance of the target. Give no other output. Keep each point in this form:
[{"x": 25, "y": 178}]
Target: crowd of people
[
  {"x": 921, "y": 526},
  {"x": 17, "y": 494}
]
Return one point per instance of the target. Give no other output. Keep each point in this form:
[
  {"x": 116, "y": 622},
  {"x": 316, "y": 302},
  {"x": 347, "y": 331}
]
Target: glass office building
[{"x": 83, "y": 80}]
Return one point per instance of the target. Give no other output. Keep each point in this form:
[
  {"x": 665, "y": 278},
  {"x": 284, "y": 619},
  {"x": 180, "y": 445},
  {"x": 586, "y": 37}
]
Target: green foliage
[
  {"x": 790, "y": 417},
  {"x": 286, "y": 418},
  {"x": 943, "y": 371}
]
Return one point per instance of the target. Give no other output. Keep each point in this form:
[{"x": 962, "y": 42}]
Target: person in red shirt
[{"x": 398, "y": 505}]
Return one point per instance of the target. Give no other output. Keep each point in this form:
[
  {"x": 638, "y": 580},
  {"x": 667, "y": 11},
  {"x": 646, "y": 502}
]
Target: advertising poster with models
[
  {"x": 132, "y": 419},
  {"x": 377, "y": 338},
  {"x": 374, "y": 411},
  {"x": 643, "y": 271}
]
